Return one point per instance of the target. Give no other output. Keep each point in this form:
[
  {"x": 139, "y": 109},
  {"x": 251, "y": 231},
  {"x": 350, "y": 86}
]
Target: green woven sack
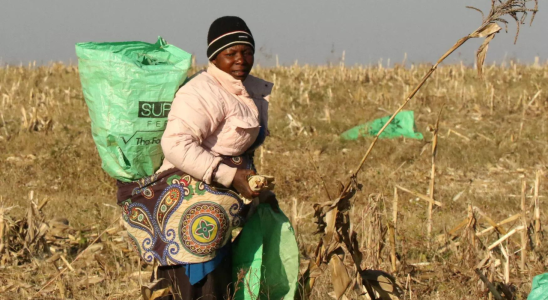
[
  {"x": 539, "y": 289},
  {"x": 402, "y": 125},
  {"x": 265, "y": 257},
  {"x": 129, "y": 88}
]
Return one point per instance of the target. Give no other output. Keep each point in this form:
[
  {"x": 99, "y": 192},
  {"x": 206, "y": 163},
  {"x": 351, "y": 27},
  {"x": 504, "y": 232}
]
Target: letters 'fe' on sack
[{"x": 129, "y": 88}]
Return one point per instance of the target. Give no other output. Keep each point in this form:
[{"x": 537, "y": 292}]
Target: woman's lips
[{"x": 240, "y": 72}]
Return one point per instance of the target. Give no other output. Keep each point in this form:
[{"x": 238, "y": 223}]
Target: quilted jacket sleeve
[{"x": 191, "y": 120}]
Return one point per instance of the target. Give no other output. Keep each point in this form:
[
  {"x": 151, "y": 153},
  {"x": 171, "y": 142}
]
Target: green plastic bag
[
  {"x": 265, "y": 257},
  {"x": 402, "y": 125},
  {"x": 129, "y": 88},
  {"x": 539, "y": 289}
]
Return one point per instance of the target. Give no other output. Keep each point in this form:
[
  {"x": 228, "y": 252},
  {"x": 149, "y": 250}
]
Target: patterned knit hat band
[{"x": 226, "y": 32}]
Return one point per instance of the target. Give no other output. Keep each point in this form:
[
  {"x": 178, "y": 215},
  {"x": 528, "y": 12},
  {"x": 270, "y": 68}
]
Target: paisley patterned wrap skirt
[{"x": 176, "y": 219}]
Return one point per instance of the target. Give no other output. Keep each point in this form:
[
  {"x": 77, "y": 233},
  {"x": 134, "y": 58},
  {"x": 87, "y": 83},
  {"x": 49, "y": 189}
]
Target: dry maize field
[{"x": 446, "y": 224}]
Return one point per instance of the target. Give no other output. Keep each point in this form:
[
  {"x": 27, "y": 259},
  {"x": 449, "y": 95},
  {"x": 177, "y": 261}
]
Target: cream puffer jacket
[{"x": 212, "y": 115}]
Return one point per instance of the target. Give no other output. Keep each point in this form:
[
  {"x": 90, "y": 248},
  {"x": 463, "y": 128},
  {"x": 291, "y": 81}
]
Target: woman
[{"x": 182, "y": 216}]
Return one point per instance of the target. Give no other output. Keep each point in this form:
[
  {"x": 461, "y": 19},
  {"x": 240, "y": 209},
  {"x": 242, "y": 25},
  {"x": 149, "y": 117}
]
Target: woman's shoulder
[
  {"x": 199, "y": 90},
  {"x": 257, "y": 87},
  {"x": 199, "y": 83}
]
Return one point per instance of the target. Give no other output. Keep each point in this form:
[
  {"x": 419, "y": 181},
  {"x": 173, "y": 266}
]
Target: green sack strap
[{"x": 265, "y": 257}]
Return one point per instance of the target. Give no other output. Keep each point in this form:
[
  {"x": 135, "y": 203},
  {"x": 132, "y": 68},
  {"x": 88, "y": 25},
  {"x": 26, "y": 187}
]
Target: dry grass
[{"x": 492, "y": 135}]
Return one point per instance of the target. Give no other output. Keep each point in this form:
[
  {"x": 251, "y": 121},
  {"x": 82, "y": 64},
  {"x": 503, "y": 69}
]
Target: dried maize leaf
[
  {"x": 61, "y": 289},
  {"x": 383, "y": 283},
  {"x": 113, "y": 230},
  {"x": 339, "y": 276},
  {"x": 6, "y": 287},
  {"x": 55, "y": 257},
  {"x": 140, "y": 274},
  {"x": 315, "y": 271},
  {"x": 304, "y": 265},
  {"x": 55, "y": 233},
  {"x": 334, "y": 296},
  {"x": 101, "y": 261},
  {"x": 86, "y": 282},
  {"x": 149, "y": 292},
  {"x": 488, "y": 30},
  {"x": 29, "y": 237},
  {"x": 160, "y": 293},
  {"x": 43, "y": 229},
  {"x": 330, "y": 220},
  {"x": 2, "y": 230},
  {"x": 482, "y": 53},
  {"x": 94, "y": 248}
]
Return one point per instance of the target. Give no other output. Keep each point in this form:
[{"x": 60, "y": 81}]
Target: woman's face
[{"x": 236, "y": 61}]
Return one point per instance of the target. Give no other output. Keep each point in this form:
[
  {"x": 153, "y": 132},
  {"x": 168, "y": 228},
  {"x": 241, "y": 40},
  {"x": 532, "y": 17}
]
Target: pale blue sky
[{"x": 310, "y": 31}]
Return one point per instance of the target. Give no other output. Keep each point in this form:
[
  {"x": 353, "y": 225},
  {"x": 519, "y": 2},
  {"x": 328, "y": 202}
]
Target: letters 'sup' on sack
[{"x": 129, "y": 88}]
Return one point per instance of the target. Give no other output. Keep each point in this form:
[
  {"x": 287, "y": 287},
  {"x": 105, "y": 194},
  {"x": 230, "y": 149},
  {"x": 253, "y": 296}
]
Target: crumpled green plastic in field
[
  {"x": 267, "y": 255},
  {"x": 402, "y": 125},
  {"x": 539, "y": 289},
  {"x": 129, "y": 88}
]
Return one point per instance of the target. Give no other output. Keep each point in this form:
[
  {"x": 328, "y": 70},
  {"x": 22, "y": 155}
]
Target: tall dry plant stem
[
  {"x": 523, "y": 252},
  {"x": 516, "y": 9},
  {"x": 433, "y": 176},
  {"x": 2, "y": 230},
  {"x": 537, "y": 209},
  {"x": 393, "y": 256},
  {"x": 333, "y": 221}
]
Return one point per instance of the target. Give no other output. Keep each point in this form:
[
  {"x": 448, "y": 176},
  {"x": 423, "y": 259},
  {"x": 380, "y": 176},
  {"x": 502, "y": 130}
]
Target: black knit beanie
[{"x": 225, "y": 32}]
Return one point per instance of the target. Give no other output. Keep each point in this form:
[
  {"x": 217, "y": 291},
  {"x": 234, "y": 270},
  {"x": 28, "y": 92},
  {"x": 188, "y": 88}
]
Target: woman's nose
[{"x": 239, "y": 59}]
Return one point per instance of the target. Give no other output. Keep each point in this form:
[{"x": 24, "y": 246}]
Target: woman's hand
[{"x": 241, "y": 184}]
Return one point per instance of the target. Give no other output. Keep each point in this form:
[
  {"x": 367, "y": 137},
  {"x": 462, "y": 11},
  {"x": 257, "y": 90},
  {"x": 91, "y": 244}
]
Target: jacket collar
[{"x": 231, "y": 84}]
